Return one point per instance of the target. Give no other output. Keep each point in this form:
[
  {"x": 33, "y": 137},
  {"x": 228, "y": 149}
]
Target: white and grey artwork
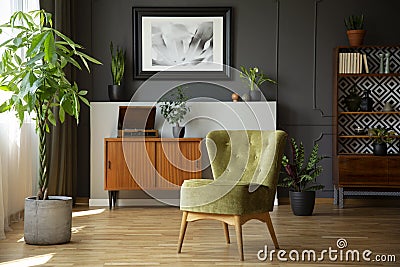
[{"x": 186, "y": 43}]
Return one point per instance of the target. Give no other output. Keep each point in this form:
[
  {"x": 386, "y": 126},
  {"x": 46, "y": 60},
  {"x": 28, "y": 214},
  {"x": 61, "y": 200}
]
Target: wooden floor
[{"x": 130, "y": 236}]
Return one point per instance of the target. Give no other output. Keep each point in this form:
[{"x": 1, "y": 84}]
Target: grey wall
[{"x": 291, "y": 40}]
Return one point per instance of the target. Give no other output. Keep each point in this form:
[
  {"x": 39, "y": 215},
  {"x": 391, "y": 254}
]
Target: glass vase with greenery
[
  {"x": 174, "y": 108},
  {"x": 254, "y": 77}
]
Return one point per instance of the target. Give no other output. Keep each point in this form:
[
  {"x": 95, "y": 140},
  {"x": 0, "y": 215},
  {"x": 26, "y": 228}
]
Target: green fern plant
[
  {"x": 301, "y": 175},
  {"x": 175, "y": 107},
  {"x": 117, "y": 64},
  {"x": 354, "y": 22}
]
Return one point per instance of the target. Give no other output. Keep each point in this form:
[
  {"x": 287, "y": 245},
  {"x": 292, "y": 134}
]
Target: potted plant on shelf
[
  {"x": 355, "y": 29},
  {"x": 254, "y": 78},
  {"x": 38, "y": 84},
  {"x": 115, "y": 92},
  {"x": 300, "y": 178},
  {"x": 381, "y": 137},
  {"x": 174, "y": 109}
]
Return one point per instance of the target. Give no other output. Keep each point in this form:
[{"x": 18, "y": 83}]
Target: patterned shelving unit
[{"x": 357, "y": 149}]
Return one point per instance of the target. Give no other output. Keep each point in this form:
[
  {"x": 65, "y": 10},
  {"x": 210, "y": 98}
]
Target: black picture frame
[{"x": 139, "y": 13}]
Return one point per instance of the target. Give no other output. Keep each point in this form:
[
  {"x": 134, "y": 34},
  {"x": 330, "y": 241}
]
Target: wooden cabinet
[
  {"x": 354, "y": 165},
  {"x": 149, "y": 163}
]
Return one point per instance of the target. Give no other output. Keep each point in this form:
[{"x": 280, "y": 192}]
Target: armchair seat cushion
[{"x": 222, "y": 197}]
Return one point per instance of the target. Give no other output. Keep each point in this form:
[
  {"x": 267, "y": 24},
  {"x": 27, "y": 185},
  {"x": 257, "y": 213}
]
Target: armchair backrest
[{"x": 246, "y": 156}]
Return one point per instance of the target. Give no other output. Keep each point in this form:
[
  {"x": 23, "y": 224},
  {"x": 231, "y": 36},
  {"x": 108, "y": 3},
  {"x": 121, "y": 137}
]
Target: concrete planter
[{"x": 48, "y": 222}]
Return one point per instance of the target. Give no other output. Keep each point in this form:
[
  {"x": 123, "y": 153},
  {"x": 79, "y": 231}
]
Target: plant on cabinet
[
  {"x": 174, "y": 109},
  {"x": 381, "y": 137},
  {"x": 254, "y": 78},
  {"x": 355, "y": 29},
  {"x": 300, "y": 178},
  {"x": 115, "y": 91},
  {"x": 32, "y": 71}
]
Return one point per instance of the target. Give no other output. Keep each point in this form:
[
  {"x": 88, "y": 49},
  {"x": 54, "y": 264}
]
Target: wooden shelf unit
[
  {"x": 149, "y": 163},
  {"x": 354, "y": 165}
]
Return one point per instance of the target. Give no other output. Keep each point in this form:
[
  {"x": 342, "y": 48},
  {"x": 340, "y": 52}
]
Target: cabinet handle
[{"x": 109, "y": 164}]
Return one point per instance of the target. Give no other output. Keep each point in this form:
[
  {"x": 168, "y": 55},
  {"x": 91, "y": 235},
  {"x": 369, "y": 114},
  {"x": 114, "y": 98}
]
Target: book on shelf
[{"x": 353, "y": 63}]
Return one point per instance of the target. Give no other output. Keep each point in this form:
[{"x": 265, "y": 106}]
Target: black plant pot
[
  {"x": 380, "y": 149},
  {"x": 115, "y": 93},
  {"x": 302, "y": 203},
  {"x": 178, "y": 131}
]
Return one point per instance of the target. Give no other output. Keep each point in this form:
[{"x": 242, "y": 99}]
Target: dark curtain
[{"x": 62, "y": 141}]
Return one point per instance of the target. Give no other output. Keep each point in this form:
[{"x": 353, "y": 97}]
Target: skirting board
[{"x": 140, "y": 202}]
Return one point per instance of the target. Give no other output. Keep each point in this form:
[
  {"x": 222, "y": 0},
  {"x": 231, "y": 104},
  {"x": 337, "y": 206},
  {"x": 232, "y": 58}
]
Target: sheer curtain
[{"x": 18, "y": 147}]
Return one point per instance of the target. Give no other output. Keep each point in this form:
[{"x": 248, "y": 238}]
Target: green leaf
[
  {"x": 82, "y": 92},
  {"x": 50, "y": 49},
  {"x": 84, "y": 100},
  {"x": 51, "y": 118},
  {"x": 61, "y": 114},
  {"x": 91, "y": 59},
  {"x": 37, "y": 42},
  {"x": 5, "y": 107},
  {"x": 5, "y": 88}
]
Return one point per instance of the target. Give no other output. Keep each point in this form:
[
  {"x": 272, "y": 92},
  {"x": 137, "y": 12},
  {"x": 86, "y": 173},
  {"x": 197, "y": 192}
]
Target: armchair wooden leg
[
  {"x": 238, "y": 228},
  {"x": 226, "y": 231},
  {"x": 271, "y": 231},
  {"x": 183, "y": 230}
]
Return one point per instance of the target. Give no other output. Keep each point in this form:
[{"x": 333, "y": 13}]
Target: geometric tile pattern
[{"x": 382, "y": 89}]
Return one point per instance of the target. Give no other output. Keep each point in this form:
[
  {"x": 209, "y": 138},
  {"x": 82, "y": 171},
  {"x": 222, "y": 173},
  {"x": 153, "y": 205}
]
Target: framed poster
[{"x": 182, "y": 42}]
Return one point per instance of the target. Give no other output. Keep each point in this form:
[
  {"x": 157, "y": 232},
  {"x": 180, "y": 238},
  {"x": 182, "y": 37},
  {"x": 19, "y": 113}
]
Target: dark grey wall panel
[{"x": 308, "y": 30}]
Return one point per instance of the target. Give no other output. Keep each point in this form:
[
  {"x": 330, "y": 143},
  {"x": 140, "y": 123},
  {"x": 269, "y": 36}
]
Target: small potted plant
[
  {"x": 381, "y": 137},
  {"x": 174, "y": 108},
  {"x": 300, "y": 178},
  {"x": 254, "y": 78},
  {"x": 355, "y": 29},
  {"x": 115, "y": 92}
]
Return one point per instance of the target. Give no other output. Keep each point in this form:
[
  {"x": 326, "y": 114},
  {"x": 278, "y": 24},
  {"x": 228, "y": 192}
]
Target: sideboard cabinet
[{"x": 149, "y": 163}]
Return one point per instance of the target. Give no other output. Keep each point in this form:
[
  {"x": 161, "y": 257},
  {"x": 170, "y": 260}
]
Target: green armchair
[{"x": 245, "y": 167}]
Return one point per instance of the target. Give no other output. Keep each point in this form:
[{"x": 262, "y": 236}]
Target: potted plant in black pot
[
  {"x": 174, "y": 108},
  {"x": 254, "y": 78},
  {"x": 381, "y": 137},
  {"x": 38, "y": 85},
  {"x": 115, "y": 92},
  {"x": 301, "y": 178}
]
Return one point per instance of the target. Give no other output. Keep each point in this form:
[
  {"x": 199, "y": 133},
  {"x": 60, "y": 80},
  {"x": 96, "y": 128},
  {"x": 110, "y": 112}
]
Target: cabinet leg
[
  {"x": 341, "y": 198},
  {"x": 115, "y": 198},
  {"x": 335, "y": 196},
  {"x": 110, "y": 199}
]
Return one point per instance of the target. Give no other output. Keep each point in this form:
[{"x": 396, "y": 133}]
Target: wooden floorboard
[{"x": 129, "y": 236}]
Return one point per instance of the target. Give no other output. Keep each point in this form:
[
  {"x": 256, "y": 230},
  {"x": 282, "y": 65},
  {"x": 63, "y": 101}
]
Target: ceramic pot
[
  {"x": 302, "y": 203},
  {"x": 356, "y": 37},
  {"x": 366, "y": 102},
  {"x": 48, "y": 222},
  {"x": 115, "y": 93},
  {"x": 380, "y": 149},
  {"x": 178, "y": 131},
  {"x": 352, "y": 101}
]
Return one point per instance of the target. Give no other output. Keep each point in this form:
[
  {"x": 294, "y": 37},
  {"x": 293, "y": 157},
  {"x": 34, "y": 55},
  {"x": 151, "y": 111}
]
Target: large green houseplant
[
  {"x": 300, "y": 177},
  {"x": 32, "y": 70}
]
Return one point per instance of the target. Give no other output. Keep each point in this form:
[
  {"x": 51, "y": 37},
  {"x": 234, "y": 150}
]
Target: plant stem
[{"x": 42, "y": 160}]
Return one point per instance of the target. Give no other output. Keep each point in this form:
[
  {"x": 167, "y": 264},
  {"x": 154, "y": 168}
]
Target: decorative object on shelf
[
  {"x": 381, "y": 63},
  {"x": 355, "y": 29},
  {"x": 300, "y": 178},
  {"x": 366, "y": 102},
  {"x": 37, "y": 83},
  {"x": 115, "y": 91},
  {"x": 175, "y": 110},
  {"x": 353, "y": 101},
  {"x": 246, "y": 97},
  {"x": 235, "y": 97},
  {"x": 360, "y": 130},
  {"x": 182, "y": 42},
  {"x": 254, "y": 78},
  {"x": 387, "y": 63},
  {"x": 388, "y": 107},
  {"x": 381, "y": 137}
]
